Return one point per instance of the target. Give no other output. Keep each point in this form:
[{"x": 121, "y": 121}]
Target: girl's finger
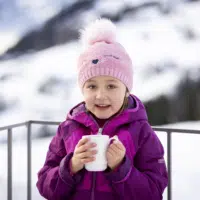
[
  {"x": 111, "y": 151},
  {"x": 119, "y": 145},
  {"x": 87, "y": 160},
  {"x": 109, "y": 154},
  {"x": 85, "y": 147},
  {"x": 87, "y": 154},
  {"x": 82, "y": 142},
  {"x": 115, "y": 148}
]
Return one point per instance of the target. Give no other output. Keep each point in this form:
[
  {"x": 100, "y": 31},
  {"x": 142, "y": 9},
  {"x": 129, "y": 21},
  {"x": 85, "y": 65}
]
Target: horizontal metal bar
[
  {"x": 44, "y": 122},
  {"x": 174, "y": 130},
  {"x": 12, "y": 126},
  {"x": 31, "y": 122},
  {"x": 189, "y": 131}
]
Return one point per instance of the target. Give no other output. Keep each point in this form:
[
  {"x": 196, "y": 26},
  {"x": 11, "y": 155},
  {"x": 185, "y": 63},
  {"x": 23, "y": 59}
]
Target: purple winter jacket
[{"x": 141, "y": 176}]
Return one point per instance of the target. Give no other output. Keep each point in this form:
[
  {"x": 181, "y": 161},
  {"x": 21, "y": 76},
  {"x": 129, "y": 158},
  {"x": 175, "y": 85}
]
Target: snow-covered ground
[
  {"x": 185, "y": 164},
  {"x": 185, "y": 160}
]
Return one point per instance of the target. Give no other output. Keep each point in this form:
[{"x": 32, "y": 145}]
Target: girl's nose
[{"x": 101, "y": 94}]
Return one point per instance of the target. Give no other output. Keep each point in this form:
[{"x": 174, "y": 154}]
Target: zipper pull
[{"x": 100, "y": 131}]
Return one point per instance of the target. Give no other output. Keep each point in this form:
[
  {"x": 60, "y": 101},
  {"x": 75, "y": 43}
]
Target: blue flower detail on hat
[{"x": 95, "y": 61}]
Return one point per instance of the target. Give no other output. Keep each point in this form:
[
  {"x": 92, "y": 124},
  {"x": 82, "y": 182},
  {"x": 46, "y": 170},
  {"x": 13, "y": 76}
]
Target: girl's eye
[
  {"x": 91, "y": 86},
  {"x": 111, "y": 86}
]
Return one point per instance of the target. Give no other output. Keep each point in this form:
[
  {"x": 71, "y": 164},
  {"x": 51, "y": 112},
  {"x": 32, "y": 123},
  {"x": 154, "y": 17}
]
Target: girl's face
[{"x": 104, "y": 96}]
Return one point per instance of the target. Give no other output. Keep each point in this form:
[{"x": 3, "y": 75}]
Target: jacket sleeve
[
  {"x": 54, "y": 179},
  {"x": 146, "y": 177}
]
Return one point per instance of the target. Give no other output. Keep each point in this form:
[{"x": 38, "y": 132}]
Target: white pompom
[{"x": 98, "y": 31}]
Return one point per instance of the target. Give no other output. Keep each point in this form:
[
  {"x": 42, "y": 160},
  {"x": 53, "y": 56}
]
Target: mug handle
[{"x": 114, "y": 138}]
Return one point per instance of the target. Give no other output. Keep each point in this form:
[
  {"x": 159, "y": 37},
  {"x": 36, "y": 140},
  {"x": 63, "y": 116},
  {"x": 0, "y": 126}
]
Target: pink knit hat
[{"x": 103, "y": 55}]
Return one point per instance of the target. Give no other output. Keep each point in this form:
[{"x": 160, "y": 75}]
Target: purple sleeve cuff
[
  {"x": 65, "y": 174},
  {"x": 122, "y": 173}
]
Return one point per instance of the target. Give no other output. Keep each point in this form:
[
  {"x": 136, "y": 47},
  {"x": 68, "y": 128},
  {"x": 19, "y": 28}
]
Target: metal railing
[{"x": 28, "y": 124}]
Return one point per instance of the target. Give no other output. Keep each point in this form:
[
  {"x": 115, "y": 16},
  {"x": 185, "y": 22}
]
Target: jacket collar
[{"x": 135, "y": 111}]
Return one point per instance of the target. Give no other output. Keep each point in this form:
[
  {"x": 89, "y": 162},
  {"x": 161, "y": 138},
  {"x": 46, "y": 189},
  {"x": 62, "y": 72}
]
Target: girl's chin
[{"x": 103, "y": 115}]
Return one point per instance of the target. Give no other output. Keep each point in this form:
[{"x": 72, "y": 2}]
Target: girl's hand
[
  {"x": 115, "y": 154},
  {"x": 82, "y": 154}
]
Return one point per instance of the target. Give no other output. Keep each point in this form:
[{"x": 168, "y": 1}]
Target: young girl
[{"x": 136, "y": 168}]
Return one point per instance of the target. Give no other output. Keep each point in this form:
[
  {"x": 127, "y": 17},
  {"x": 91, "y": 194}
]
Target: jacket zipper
[
  {"x": 93, "y": 185},
  {"x": 100, "y": 130},
  {"x": 94, "y": 174}
]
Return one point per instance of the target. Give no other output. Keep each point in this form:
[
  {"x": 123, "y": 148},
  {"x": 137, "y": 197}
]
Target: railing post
[
  {"x": 9, "y": 172},
  {"x": 169, "y": 165},
  {"x": 28, "y": 160}
]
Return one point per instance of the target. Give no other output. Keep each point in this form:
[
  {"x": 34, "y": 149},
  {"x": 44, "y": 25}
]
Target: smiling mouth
[{"x": 102, "y": 106}]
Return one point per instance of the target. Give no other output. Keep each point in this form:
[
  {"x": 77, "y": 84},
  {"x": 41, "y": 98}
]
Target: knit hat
[{"x": 103, "y": 55}]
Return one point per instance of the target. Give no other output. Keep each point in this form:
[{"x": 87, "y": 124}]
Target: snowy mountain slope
[
  {"x": 41, "y": 85},
  {"x": 19, "y": 17},
  {"x": 39, "y": 25}
]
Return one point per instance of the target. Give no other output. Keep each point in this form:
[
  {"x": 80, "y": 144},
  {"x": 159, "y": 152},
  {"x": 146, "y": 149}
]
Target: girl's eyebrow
[
  {"x": 111, "y": 80},
  {"x": 90, "y": 80},
  {"x": 114, "y": 81}
]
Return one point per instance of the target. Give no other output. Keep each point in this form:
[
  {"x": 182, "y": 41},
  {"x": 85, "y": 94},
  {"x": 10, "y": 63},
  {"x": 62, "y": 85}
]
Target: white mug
[{"x": 102, "y": 141}]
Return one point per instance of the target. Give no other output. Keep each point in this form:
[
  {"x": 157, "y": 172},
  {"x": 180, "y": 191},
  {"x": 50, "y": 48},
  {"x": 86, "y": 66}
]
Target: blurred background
[{"x": 38, "y": 55}]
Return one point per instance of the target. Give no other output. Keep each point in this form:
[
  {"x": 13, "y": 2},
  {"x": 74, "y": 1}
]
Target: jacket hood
[{"x": 135, "y": 112}]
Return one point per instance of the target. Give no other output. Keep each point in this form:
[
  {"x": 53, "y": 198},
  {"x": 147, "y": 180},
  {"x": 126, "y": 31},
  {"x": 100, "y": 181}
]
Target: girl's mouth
[{"x": 102, "y": 107}]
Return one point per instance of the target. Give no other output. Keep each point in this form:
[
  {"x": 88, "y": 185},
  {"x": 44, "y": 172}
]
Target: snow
[
  {"x": 7, "y": 39},
  {"x": 34, "y": 70},
  {"x": 24, "y": 16},
  {"x": 185, "y": 160},
  {"x": 151, "y": 39}
]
